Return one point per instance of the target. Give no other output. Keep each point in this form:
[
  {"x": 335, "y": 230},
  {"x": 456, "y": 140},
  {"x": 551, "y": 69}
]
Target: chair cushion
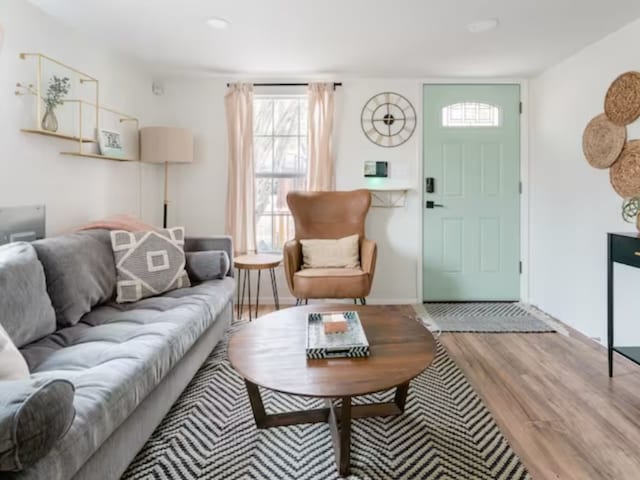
[
  {"x": 25, "y": 307},
  {"x": 12, "y": 364},
  {"x": 115, "y": 356},
  {"x": 340, "y": 253},
  {"x": 330, "y": 283},
  {"x": 148, "y": 263},
  {"x": 329, "y": 272},
  {"x": 34, "y": 414},
  {"x": 80, "y": 272}
]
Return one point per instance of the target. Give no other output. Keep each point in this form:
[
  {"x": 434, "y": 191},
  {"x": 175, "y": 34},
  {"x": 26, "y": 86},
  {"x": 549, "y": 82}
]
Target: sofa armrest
[
  {"x": 34, "y": 414},
  {"x": 368, "y": 255},
  {"x": 216, "y": 242},
  {"x": 292, "y": 253}
]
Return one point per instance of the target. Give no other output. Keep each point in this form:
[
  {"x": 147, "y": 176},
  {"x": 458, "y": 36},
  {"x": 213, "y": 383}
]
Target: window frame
[
  {"x": 496, "y": 109},
  {"x": 300, "y": 173}
]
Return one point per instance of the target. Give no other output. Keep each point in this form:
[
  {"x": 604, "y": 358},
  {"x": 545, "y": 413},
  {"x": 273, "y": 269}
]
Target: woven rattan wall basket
[
  {"x": 622, "y": 103},
  {"x": 605, "y": 145},
  {"x": 603, "y": 142}
]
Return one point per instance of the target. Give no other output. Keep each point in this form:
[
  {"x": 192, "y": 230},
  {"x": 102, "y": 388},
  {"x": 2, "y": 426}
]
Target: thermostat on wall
[{"x": 376, "y": 169}]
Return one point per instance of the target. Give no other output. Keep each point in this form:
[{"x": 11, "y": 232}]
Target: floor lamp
[{"x": 166, "y": 145}]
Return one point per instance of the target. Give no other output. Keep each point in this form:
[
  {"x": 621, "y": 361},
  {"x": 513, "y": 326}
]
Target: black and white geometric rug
[
  {"x": 487, "y": 317},
  {"x": 445, "y": 433}
]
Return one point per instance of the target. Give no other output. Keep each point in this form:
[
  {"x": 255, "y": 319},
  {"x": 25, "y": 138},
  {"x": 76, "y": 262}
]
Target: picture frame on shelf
[{"x": 110, "y": 143}]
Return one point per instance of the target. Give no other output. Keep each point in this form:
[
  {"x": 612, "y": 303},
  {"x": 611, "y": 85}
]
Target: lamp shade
[{"x": 166, "y": 145}]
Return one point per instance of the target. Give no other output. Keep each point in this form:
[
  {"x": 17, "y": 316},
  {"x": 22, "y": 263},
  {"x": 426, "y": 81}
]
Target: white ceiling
[{"x": 399, "y": 38}]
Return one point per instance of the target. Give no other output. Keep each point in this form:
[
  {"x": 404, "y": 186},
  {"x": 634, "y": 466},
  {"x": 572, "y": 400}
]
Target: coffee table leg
[
  {"x": 255, "y": 399},
  {"x": 401, "y": 396},
  {"x": 341, "y": 433}
]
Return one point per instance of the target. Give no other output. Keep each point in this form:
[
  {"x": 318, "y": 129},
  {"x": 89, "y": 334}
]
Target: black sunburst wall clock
[{"x": 388, "y": 119}]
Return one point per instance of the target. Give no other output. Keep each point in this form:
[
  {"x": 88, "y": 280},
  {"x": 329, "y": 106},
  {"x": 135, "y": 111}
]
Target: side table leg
[
  {"x": 274, "y": 288},
  {"x": 239, "y": 275},
  {"x": 248, "y": 275},
  {"x": 258, "y": 293}
]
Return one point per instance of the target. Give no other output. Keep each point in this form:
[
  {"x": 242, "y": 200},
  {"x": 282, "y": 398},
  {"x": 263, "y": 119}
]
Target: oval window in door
[{"x": 471, "y": 114}]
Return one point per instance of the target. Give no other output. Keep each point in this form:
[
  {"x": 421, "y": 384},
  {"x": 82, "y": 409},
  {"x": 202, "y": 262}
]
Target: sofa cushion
[
  {"x": 209, "y": 265},
  {"x": 34, "y": 414},
  {"x": 148, "y": 263},
  {"x": 12, "y": 364},
  {"x": 80, "y": 272},
  {"x": 115, "y": 356},
  {"x": 25, "y": 307}
]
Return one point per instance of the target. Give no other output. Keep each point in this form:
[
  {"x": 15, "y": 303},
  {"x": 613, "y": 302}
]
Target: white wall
[
  {"x": 572, "y": 204},
  {"x": 74, "y": 190},
  {"x": 198, "y": 190}
]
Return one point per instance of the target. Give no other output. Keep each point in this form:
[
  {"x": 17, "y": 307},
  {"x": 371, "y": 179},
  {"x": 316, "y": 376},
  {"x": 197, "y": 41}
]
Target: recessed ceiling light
[
  {"x": 219, "y": 23},
  {"x": 484, "y": 25}
]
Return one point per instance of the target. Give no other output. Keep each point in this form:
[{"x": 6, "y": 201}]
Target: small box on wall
[{"x": 376, "y": 169}]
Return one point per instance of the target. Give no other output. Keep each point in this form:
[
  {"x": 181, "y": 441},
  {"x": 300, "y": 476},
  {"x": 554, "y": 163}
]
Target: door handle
[{"x": 431, "y": 204}]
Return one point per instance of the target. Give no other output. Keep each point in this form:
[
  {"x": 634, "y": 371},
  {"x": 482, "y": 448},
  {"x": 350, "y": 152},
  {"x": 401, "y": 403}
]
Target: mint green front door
[{"x": 471, "y": 238}]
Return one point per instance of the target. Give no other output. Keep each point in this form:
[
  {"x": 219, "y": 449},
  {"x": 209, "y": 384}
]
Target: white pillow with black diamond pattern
[{"x": 148, "y": 263}]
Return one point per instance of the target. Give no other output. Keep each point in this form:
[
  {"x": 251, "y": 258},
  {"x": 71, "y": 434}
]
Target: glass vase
[{"x": 49, "y": 121}]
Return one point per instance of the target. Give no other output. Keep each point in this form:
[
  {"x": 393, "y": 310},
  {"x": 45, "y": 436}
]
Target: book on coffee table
[{"x": 352, "y": 343}]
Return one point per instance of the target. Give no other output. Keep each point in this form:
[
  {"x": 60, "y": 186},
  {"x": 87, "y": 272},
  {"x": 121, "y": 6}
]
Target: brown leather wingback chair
[{"x": 329, "y": 215}]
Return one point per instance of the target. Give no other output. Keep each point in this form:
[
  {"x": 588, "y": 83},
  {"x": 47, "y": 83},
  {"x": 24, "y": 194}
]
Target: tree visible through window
[{"x": 280, "y": 155}]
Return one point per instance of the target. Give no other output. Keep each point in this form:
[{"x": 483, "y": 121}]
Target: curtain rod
[{"x": 335, "y": 84}]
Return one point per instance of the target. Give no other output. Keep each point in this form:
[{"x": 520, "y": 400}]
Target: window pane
[
  {"x": 286, "y": 115},
  {"x": 262, "y": 116},
  {"x": 263, "y": 196},
  {"x": 471, "y": 114},
  {"x": 263, "y": 154},
  {"x": 263, "y": 234},
  {"x": 286, "y": 154}
]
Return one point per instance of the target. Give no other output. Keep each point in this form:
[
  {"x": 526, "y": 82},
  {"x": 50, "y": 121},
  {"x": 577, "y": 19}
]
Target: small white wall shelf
[{"x": 388, "y": 196}]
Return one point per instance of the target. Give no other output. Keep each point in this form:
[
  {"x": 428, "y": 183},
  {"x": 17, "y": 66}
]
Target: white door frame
[{"x": 524, "y": 172}]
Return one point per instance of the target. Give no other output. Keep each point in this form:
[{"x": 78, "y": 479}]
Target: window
[
  {"x": 471, "y": 114},
  {"x": 280, "y": 155}
]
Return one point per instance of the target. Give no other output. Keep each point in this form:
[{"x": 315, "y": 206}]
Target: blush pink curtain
[
  {"x": 240, "y": 223},
  {"x": 321, "y": 174}
]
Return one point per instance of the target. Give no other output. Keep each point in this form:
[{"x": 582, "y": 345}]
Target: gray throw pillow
[
  {"x": 208, "y": 265},
  {"x": 34, "y": 414},
  {"x": 148, "y": 263},
  {"x": 80, "y": 272},
  {"x": 25, "y": 307}
]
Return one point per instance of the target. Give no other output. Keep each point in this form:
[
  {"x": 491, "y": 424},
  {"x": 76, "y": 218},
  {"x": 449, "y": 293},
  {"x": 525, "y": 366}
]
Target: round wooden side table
[{"x": 259, "y": 262}]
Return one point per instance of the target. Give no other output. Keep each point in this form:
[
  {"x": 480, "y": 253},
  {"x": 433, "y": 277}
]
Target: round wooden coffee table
[{"x": 270, "y": 353}]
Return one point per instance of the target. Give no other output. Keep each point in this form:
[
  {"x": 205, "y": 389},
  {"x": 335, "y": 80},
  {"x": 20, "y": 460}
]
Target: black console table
[{"x": 622, "y": 248}]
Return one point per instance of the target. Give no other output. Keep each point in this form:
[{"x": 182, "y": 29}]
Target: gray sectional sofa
[{"x": 127, "y": 362}]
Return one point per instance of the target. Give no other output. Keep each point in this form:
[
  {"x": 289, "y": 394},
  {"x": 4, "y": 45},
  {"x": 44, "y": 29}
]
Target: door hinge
[
  {"x": 520, "y": 107},
  {"x": 520, "y": 267},
  {"x": 520, "y": 187}
]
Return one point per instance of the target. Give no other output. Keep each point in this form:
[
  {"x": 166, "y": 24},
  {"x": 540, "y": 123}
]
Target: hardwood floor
[{"x": 554, "y": 401}]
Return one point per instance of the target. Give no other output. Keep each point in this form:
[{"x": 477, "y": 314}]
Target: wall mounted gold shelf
[
  {"x": 83, "y": 105},
  {"x": 58, "y": 135},
  {"x": 96, "y": 155}
]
